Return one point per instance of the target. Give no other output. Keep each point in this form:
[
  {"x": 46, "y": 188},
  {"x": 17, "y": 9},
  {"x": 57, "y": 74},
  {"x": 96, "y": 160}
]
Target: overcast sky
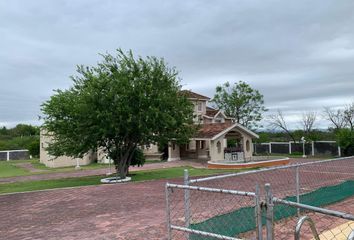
[{"x": 298, "y": 54}]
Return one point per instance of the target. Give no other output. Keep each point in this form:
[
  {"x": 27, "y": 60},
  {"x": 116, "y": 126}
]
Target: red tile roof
[
  {"x": 211, "y": 113},
  {"x": 210, "y": 108},
  {"x": 190, "y": 94},
  {"x": 212, "y": 129}
]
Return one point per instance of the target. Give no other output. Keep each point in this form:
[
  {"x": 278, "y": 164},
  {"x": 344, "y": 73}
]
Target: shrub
[
  {"x": 345, "y": 138},
  {"x": 33, "y": 147}
]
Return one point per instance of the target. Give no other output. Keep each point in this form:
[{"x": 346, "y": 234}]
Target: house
[
  {"x": 62, "y": 161},
  {"x": 209, "y": 143}
]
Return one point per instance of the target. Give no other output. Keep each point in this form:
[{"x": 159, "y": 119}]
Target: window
[
  {"x": 200, "y": 105},
  {"x": 218, "y": 146}
]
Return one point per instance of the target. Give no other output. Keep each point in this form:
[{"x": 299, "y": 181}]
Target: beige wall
[
  {"x": 152, "y": 148},
  {"x": 198, "y": 113},
  {"x": 173, "y": 152},
  {"x": 192, "y": 145},
  {"x": 216, "y": 155},
  {"x": 247, "y": 147},
  {"x": 203, "y": 107},
  {"x": 63, "y": 161}
]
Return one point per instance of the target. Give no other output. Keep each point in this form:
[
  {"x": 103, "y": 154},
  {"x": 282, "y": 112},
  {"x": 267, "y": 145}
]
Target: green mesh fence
[{"x": 243, "y": 219}]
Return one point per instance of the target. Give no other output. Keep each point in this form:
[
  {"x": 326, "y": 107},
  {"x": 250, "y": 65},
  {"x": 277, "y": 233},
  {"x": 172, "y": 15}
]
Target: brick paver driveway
[{"x": 121, "y": 211}]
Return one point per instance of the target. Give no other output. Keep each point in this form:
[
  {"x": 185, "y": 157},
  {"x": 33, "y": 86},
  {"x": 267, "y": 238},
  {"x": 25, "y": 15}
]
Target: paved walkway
[
  {"x": 131, "y": 211},
  {"x": 29, "y": 167},
  {"x": 101, "y": 171},
  {"x": 119, "y": 211}
]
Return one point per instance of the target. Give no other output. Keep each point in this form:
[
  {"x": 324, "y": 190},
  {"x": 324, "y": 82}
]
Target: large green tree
[
  {"x": 122, "y": 103},
  {"x": 241, "y": 102}
]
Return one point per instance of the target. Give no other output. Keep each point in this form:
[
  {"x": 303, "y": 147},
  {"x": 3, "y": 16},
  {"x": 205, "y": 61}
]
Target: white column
[
  {"x": 289, "y": 147},
  {"x": 77, "y": 167},
  {"x": 339, "y": 152},
  {"x": 8, "y": 156},
  {"x": 313, "y": 148}
]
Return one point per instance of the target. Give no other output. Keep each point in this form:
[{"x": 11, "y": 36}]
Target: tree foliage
[
  {"x": 120, "y": 104},
  {"x": 22, "y": 136},
  {"x": 241, "y": 102},
  {"x": 345, "y": 138},
  {"x": 348, "y": 115}
]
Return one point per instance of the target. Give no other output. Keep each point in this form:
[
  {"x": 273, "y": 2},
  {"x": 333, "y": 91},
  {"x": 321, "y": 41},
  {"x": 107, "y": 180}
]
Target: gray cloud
[{"x": 298, "y": 54}]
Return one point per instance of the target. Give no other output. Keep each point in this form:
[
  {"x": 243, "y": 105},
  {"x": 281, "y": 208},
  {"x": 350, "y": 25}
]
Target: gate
[
  {"x": 245, "y": 215},
  {"x": 303, "y": 201}
]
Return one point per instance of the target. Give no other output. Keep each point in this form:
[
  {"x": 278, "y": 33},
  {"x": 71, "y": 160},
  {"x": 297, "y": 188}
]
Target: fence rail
[
  {"x": 14, "y": 155},
  {"x": 189, "y": 215},
  {"x": 197, "y": 180},
  {"x": 312, "y": 148}
]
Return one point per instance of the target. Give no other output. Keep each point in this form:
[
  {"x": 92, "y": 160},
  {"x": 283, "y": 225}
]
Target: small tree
[
  {"x": 348, "y": 115},
  {"x": 120, "y": 104},
  {"x": 345, "y": 139},
  {"x": 335, "y": 117},
  {"x": 277, "y": 122},
  {"x": 241, "y": 102},
  {"x": 308, "y": 121}
]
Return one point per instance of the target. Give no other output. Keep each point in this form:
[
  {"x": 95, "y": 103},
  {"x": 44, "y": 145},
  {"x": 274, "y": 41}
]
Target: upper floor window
[{"x": 200, "y": 106}]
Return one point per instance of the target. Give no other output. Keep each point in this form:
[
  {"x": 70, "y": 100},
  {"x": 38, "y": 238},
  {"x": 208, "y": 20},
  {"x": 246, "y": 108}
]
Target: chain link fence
[
  {"x": 327, "y": 184},
  {"x": 194, "y": 215},
  {"x": 302, "y": 221}
]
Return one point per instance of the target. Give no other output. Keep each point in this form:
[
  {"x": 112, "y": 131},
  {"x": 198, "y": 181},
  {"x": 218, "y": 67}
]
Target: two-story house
[
  {"x": 214, "y": 129},
  {"x": 209, "y": 143}
]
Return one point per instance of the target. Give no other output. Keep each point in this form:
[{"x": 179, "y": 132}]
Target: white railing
[{"x": 8, "y": 152}]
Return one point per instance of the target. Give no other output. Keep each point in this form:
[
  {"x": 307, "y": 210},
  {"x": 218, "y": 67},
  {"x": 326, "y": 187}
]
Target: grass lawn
[
  {"x": 9, "y": 168},
  {"x": 95, "y": 180}
]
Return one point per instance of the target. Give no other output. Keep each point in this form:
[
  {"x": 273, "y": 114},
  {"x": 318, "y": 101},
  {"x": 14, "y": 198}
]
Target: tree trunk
[
  {"x": 121, "y": 168},
  {"x": 123, "y": 163}
]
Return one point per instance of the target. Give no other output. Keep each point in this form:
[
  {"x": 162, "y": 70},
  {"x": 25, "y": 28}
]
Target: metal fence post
[
  {"x": 297, "y": 183},
  {"x": 258, "y": 214},
  {"x": 8, "y": 156},
  {"x": 313, "y": 148},
  {"x": 289, "y": 147},
  {"x": 270, "y": 147},
  {"x": 168, "y": 211},
  {"x": 187, "y": 212},
  {"x": 269, "y": 213}
]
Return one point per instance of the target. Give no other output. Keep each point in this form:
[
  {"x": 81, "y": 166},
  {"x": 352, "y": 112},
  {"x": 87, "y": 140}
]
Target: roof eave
[{"x": 232, "y": 127}]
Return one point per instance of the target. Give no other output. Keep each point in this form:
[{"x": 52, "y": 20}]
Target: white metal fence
[
  {"x": 311, "y": 148},
  {"x": 14, "y": 155}
]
